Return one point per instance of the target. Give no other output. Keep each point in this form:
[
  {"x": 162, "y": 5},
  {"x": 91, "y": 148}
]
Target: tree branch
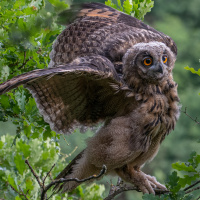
[
  {"x": 48, "y": 174},
  {"x": 121, "y": 187},
  {"x": 187, "y": 188},
  {"x": 195, "y": 120},
  {"x": 34, "y": 174},
  {"x": 44, "y": 188},
  {"x": 21, "y": 193},
  {"x": 196, "y": 188},
  {"x": 63, "y": 180}
]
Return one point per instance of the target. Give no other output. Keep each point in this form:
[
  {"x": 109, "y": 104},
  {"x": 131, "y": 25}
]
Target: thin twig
[
  {"x": 196, "y": 188},
  {"x": 22, "y": 193},
  {"x": 119, "y": 181},
  {"x": 25, "y": 61},
  {"x": 23, "y": 64},
  {"x": 65, "y": 140},
  {"x": 187, "y": 188},
  {"x": 51, "y": 195},
  {"x": 195, "y": 120},
  {"x": 24, "y": 57},
  {"x": 118, "y": 191},
  {"x": 48, "y": 175},
  {"x": 27, "y": 192},
  {"x": 34, "y": 174},
  {"x": 14, "y": 189},
  {"x": 62, "y": 180}
]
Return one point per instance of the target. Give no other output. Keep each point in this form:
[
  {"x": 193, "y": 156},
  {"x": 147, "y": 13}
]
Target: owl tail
[{"x": 78, "y": 168}]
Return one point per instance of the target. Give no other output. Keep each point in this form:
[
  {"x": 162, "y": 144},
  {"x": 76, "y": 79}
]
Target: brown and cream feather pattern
[
  {"x": 108, "y": 66},
  {"x": 101, "y": 30}
]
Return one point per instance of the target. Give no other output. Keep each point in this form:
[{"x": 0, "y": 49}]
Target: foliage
[
  {"x": 42, "y": 155},
  {"x": 27, "y": 31},
  {"x": 14, "y": 172},
  {"x": 135, "y": 8},
  {"x": 193, "y": 70},
  {"x": 178, "y": 184}
]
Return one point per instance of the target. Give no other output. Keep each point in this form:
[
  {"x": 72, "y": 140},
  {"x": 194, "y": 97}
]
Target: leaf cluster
[
  {"x": 27, "y": 31},
  {"x": 16, "y": 178},
  {"x": 15, "y": 174},
  {"x": 182, "y": 182},
  {"x": 135, "y": 8}
]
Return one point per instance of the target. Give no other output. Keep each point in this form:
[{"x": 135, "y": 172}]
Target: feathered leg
[{"x": 79, "y": 168}]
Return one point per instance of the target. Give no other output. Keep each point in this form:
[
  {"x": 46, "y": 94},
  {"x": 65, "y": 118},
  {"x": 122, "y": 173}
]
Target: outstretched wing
[
  {"x": 101, "y": 30},
  {"x": 84, "y": 92}
]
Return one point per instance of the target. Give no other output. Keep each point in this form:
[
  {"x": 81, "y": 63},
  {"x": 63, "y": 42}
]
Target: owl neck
[{"x": 159, "y": 101}]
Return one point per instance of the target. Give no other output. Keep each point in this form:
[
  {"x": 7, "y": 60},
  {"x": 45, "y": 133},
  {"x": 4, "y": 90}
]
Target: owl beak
[{"x": 158, "y": 68}]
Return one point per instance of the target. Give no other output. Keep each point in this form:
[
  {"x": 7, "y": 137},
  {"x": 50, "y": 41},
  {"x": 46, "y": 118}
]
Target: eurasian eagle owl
[{"x": 108, "y": 66}]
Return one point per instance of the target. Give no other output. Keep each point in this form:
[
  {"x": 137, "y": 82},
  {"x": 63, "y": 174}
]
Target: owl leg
[
  {"x": 144, "y": 182},
  {"x": 79, "y": 168}
]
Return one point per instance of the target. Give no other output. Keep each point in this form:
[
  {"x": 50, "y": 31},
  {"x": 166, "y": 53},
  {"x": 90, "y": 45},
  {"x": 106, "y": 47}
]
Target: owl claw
[
  {"x": 154, "y": 183},
  {"x": 150, "y": 183},
  {"x": 145, "y": 183}
]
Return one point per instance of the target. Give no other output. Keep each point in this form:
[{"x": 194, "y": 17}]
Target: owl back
[{"x": 101, "y": 30}]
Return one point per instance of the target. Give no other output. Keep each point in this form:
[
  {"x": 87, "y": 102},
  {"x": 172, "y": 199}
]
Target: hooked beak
[{"x": 158, "y": 68}]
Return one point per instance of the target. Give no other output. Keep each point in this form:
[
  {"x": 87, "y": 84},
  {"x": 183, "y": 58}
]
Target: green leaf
[
  {"x": 172, "y": 182},
  {"x": 11, "y": 181},
  {"x": 45, "y": 155},
  {"x": 1, "y": 144},
  {"x": 20, "y": 163},
  {"x": 5, "y": 102},
  {"x": 182, "y": 167},
  {"x": 173, "y": 179},
  {"x": 29, "y": 184},
  {"x": 23, "y": 147},
  {"x": 17, "y": 198},
  {"x": 21, "y": 99},
  {"x": 111, "y": 4},
  {"x": 27, "y": 129},
  {"x": 193, "y": 70},
  {"x": 47, "y": 133},
  {"x": 127, "y": 7},
  {"x": 187, "y": 180},
  {"x": 120, "y": 6}
]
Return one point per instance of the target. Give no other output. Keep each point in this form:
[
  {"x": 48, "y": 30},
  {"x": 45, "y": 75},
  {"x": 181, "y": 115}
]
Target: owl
[{"x": 108, "y": 67}]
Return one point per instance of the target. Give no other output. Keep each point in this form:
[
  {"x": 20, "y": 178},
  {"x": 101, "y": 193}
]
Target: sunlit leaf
[{"x": 182, "y": 167}]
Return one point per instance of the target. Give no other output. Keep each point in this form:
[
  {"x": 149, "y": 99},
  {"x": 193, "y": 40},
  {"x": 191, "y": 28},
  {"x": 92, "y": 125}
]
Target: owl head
[{"x": 151, "y": 62}]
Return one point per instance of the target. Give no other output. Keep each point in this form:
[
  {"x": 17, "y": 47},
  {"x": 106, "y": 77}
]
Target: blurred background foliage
[{"x": 27, "y": 30}]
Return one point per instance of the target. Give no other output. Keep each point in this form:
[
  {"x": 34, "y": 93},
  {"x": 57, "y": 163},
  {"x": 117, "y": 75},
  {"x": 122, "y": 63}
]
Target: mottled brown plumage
[{"x": 108, "y": 66}]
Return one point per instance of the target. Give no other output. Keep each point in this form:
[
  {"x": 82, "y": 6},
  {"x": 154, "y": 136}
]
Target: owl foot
[
  {"x": 142, "y": 181},
  {"x": 146, "y": 183},
  {"x": 154, "y": 183}
]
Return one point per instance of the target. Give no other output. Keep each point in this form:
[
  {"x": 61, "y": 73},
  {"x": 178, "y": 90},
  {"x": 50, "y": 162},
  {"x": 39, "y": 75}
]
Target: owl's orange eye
[
  {"x": 148, "y": 61},
  {"x": 164, "y": 59}
]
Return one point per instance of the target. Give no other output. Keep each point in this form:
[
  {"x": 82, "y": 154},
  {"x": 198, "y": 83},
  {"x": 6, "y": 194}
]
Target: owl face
[{"x": 152, "y": 61}]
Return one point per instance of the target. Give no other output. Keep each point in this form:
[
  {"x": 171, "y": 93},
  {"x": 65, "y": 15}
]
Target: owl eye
[
  {"x": 148, "y": 61},
  {"x": 164, "y": 59}
]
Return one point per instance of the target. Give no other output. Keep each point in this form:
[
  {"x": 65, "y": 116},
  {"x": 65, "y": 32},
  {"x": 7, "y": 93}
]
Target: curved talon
[
  {"x": 154, "y": 182},
  {"x": 142, "y": 181}
]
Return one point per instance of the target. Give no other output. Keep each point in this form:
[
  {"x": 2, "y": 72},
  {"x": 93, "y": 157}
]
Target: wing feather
[{"x": 74, "y": 94}]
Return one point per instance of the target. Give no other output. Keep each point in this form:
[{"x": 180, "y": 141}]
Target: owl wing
[{"x": 84, "y": 92}]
